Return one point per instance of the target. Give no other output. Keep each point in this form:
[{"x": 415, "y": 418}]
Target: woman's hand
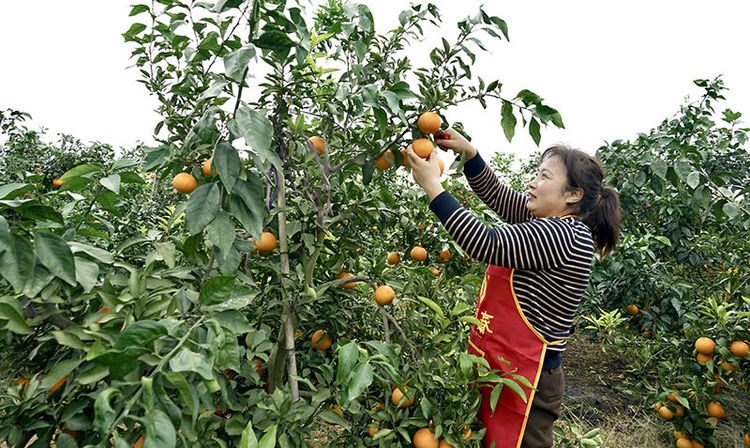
[
  {"x": 457, "y": 143},
  {"x": 426, "y": 173}
]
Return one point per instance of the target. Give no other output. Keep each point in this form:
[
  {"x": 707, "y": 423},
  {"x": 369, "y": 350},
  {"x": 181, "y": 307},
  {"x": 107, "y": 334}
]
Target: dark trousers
[{"x": 545, "y": 409}]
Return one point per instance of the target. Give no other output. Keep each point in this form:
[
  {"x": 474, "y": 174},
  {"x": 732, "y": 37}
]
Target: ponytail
[
  {"x": 604, "y": 221},
  {"x": 599, "y": 207}
]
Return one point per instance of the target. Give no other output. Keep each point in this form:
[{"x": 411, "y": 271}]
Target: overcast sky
[{"x": 612, "y": 69}]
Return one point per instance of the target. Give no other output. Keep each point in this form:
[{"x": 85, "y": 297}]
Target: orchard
[{"x": 269, "y": 275}]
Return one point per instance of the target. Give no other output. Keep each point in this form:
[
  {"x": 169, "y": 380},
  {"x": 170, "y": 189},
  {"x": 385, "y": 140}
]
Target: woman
[{"x": 539, "y": 266}]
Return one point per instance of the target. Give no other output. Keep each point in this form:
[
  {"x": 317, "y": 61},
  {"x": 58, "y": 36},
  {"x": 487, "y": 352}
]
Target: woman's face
[{"x": 547, "y": 192}]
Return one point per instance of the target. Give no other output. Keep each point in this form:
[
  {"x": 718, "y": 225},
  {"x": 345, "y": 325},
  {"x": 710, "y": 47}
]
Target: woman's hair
[{"x": 599, "y": 208}]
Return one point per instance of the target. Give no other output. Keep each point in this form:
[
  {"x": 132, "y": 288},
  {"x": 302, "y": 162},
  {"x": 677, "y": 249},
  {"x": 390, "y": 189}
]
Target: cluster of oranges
[
  {"x": 186, "y": 183},
  {"x": 428, "y": 123}
]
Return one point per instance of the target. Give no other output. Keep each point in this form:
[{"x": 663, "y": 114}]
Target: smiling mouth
[{"x": 531, "y": 196}]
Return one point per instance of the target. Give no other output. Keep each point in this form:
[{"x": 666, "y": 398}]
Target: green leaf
[
  {"x": 515, "y": 387},
  {"x": 534, "y": 131},
  {"x": 248, "y": 437},
  {"x": 495, "y": 395},
  {"x": 347, "y": 355},
  {"x": 18, "y": 262},
  {"x": 111, "y": 183},
  {"x": 100, "y": 254},
  {"x": 360, "y": 379},
  {"x": 470, "y": 320},
  {"x": 160, "y": 433},
  {"x": 508, "y": 120},
  {"x": 32, "y": 209},
  {"x": 58, "y": 372},
  {"x": 92, "y": 375},
  {"x": 133, "y": 31},
  {"x": 10, "y": 311},
  {"x": 221, "y": 232},
  {"x": 140, "y": 334},
  {"x": 257, "y": 131},
  {"x": 731, "y": 209},
  {"x": 247, "y": 204},
  {"x": 77, "y": 183},
  {"x": 81, "y": 170},
  {"x": 55, "y": 254},
  {"x": 237, "y": 61},
  {"x": 659, "y": 167},
  {"x": 227, "y": 163},
  {"x": 10, "y": 191},
  {"x": 202, "y": 207},
  {"x": 187, "y": 360},
  {"x": 187, "y": 392},
  {"x": 693, "y": 179},
  {"x": 385, "y": 350},
  {"x": 216, "y": 290},
  {"x": 275, "y": 40},
  {"x": 104, "y": 413},
  {"x": 234, "y": 321},
  {"x": 269, "y": 438},
  {"x": 37, "y": 281},
  {"x": 433, "y": 306},
  {"x": 5, "y": 239},
  {"x": 87, "y": 273}
]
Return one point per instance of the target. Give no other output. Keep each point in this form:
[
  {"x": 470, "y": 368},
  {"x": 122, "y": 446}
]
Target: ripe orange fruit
[
  {"x": 382, "y": 162},
  {"x": 425, "y": 438},
  {"x": 696, "y": 444},
  {"x": 665, "y": 413},
  {"x": 207, "y": 167},
  {"x": 705, "y": 345},
  {"x": 337, "y": 410},
  {"x": 103, "y": 310},
  {"x": 259, "y": 366},
  {"x": 346, "y": 275},
  {"x": 441, "y": 165},
  {"x": 445, "y": 255},
  {"x": 384, "y": 295},
  {"x": 406, "y": 158},
  {"x": 682, "y": 442},
  {"x": 138, "y": 443},
  {"x": 436, "y": 271},
  {"x": 632, "y": 310},
  {"x": 715, "y": 409},
  {"x": 57, "y": 183},
  {"x": 397, "y": 395},
  {"x": 679, "y": 435},
  {"x": 739, "y": 348},
  {"x": 321, "y": 340},
  {"x": 673, "y": 397},
  {"x": 702, "y": 359},
  {"x": 58, "y": 384},
  {"x": 394, "y": 258},
  {"x": 444, "y": 444},
  {"x": 747, "y": 440},
  {"x": 419, "y": 253},
  {"x": 429, "y": 123},
  {"x": 267, "y": 242},
  {"x": 422, "y": 147},
  {"x": 152, "y": 175},
  {"x": 319, "y": 144},
  {"x": 372, "y": 430},
  {"x": 680, "y": 411},
  {"x": 184, "y": 183}
]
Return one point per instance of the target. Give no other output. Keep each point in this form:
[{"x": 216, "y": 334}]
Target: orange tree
[
  {"x": 184, "y": 333},
  {"x": 683, "y": 260}
]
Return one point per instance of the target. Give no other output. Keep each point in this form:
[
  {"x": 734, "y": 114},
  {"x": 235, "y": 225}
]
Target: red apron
[{"x": 505, "y": 332}]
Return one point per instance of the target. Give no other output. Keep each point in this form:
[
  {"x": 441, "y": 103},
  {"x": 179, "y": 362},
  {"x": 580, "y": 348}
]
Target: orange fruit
[
  {"x": 436, "y": 271},
  {"x": 267, "y": 242},
  {"x": 382, "y": 162},
  {"x": 397, "y": 395},
  {"x": 406, "y": 158},
  {"x": 419, "y": 253},
  {"x": 747, "y": 439},
  {"x": 25, "y": 382},
  {"x": 727, "y": 367},
  {"x": 394, "y": 258},
  {"x": 425, "y": 438},
  {"x": 422, "y": 147},
  {"x": 715, "y": 409},
  {"x": 259, "y": 366},
  {"x": 702, "y": 359},
  {"x": 337, "y": 410},
  {"x": 372, "y": 430},
  {"x": 739, "y": 348},
  {"x": 350, "y": 285},
  {"x": 429, "y": 123},
  {"x": 679, "y": 435},
  {"x": 321, "y": 340},
  {"x": 680, "y": 411},
  {"x": 57, "y": 183},
  {"x": 441, "y": 165},
  {"x": 138, "y": 443},
  {"x": 673, "y": 397},
  {"x": 184, "y": 183},
  {"x": 58, "y": 384},
  {"x": 103, "y": 310},
  {"x": 318, "y": 144},
  {"x": 152, "y": 175},
  {"x": 682, "y": 442},
  {"x": 207, "y": 167},
  {"x": 632, "y": 310},
  {"x": 696, "y": 444},
  {"x": 444, "y": 444},
  {"x": 665, "y": 413},
  {"x": 705, "y": 345},
  {"x": 445, "y": 255},
  {"x": 384, "y": 295}
]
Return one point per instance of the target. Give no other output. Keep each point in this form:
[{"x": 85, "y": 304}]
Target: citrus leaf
[
  {"x": 227, "y": 163},
  {"x": 202, "y": 207},
  {"x": 81, "y": 170},
  {"x": 515, "y": 387},
  {"x": 269, "y": 438},
  {"x": 10, "y": 310},
  {"x": 140, "y": 334},
  {"x": 360, "y": 379},
  {"x": 17, "y": 262},
  {"x": 221, "y": 232},
  {"x": 104, "y": 414},
  {"x": 347, "y": 355},
  {"x": 160, "y": 433},
  {"x": 433, "y": 306},
  {"x": 58, "y": 372},
  {"x": 248, "y": 439},
  {"x": 55, "y": 254},
  {"x": 236, "y": 62},
  {"x": 508, "y": 120},
  {"x": 216, "y": 290},
  {"x": 257, "y": 131},
  {"x": 187, "y": 360},
  {"x": 111, "y": 183}
]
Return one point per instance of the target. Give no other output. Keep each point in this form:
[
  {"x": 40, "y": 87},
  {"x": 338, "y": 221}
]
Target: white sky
[{"x": 612, "y": 69}]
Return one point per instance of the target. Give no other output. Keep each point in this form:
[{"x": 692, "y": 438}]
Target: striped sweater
[{"x": 551, "y": 257}]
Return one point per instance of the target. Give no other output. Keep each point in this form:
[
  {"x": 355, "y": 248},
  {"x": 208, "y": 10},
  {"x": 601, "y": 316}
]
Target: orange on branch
[
  {"x": 702, "y": 358},
  {"x": 683, "y": 442},
  {"x": 632, "y": 310},
  {"x": 382, "y": 162},
  {"x": 57, "y": 183},
  {"x": 419, "y": 253},
  {"x": 429, "y": 123},
  {"x": 715, "y": 409},
  {"x": 393, "y": 258},
  {"x": 349, "y": 285},
  {"x": 58, "y": 384},
  {"x": 320, "y": 340},
  {"x": 425, "y": 438},
  {"x": 665, "y": 413},
  {"x": 318, "y": 144},
  {"x": 397, "y": 395},
  {"x": 405, "y": 155},
  {"x": 422, "y": 147},
  {"x": 739, "y": 348},
  {"x": 184, "y": 183},
  {"x": 267, "y": 242},
  {"x": 384, "y": 295},
  {"x": 705, "y": 345},
  {"x": 207, "y": 167}
]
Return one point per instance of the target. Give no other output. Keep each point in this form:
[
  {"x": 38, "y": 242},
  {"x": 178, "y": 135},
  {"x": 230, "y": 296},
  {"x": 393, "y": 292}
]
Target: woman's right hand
[{"x": 457, "y": 143}]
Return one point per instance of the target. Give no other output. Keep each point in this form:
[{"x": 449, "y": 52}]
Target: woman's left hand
[{"x": 426, "y": 173}]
